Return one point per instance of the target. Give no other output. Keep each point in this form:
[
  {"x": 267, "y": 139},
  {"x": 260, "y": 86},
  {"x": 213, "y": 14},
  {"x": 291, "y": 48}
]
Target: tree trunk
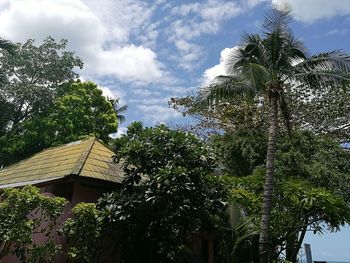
[
  {"x": 264, "y": 238},
  {"x": 299, "y": 241},
  {"x": 291, "y": 244}
]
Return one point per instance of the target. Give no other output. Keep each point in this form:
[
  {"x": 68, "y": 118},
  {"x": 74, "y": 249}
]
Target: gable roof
[{"x": 84, "y": 158}]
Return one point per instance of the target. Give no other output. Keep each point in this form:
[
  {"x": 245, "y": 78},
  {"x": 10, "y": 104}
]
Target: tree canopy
[
  {"x": 43, "y": 105},
  {"x": 267, "y": 66},
  {"x": 311, "y": 178},
  {"x": 80, "y": 110},
  {"x": 33, "y": 76},
  {"x": 168, "y": 194}
]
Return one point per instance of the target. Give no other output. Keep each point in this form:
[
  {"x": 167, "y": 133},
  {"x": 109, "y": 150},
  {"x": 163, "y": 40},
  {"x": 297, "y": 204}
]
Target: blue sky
[{"x": 146, "y": 52}]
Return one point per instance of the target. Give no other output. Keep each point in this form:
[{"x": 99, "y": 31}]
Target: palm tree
[
  {"x": 267, "y": 65},
  {"x": 118, "y": 109}
]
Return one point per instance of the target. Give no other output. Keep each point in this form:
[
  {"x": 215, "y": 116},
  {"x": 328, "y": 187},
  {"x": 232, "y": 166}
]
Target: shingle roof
[{"x": 85, "y": 158}]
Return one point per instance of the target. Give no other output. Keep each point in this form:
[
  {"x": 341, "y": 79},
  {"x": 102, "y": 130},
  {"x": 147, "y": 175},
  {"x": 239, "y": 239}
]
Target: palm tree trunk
[{"x": 264, "y": 247}]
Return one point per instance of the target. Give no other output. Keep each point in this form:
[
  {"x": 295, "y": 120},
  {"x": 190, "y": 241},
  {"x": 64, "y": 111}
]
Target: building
[{"x": 80, "y": 171}]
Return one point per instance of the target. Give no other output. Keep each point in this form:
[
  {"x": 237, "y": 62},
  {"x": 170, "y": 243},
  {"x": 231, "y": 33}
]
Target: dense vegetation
[
  {"x": 24, "y": 213},
  {"x": 44, "y": 104},
  {"x": 268, "y": 68},
  {"x": 259, "y": 148}
]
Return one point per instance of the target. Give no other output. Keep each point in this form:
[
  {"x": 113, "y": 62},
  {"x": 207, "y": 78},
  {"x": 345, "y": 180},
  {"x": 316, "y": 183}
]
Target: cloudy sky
[{"x": 145, "y": 52}]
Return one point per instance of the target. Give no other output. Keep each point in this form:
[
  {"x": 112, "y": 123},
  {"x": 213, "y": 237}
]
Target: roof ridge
[
  {"x": 43, "y": 151},
  {"x": 90, "y": 158},
  {"x": 105, "y": 144},
  {"x": 83, "y": 158}
]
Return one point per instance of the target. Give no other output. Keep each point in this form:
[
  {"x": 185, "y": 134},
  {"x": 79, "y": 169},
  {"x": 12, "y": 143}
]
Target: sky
[{"x": 145, "y": 52}]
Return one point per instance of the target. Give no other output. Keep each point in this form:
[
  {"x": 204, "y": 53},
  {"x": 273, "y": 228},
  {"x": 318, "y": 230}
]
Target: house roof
[{"x": 85, "y": 158}]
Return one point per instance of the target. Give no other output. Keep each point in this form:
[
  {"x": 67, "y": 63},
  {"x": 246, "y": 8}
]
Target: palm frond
[
  {"x": 274, "y": 47},
  {"x": 280, "y": 45},
  {"x": 252, "y": 51},
  {"x": 223, "y": 88},
  {"x": 118, "y": 110},
  {"x": 233, "y": 59},
  {"x": 296, "y": 47},
  {"x": 276, "y": 20},
  {"x": 333, "y": 60},
  {"x": 323, "y": 78},
  {"x": 257, "y": 74},
  {"x": 120, "y": 118},
  {"x": 122, "y": 109},
  {"x": 254, "y": 47}
]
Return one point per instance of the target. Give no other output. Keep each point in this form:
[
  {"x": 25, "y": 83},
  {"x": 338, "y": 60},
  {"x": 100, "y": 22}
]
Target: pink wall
[{"x": 80, "y": 193}]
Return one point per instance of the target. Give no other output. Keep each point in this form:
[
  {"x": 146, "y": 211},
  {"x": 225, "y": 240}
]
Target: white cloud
[
  {"x": 211, "y": 13},
  {"x": 195, "y": 20},
  {"x": 189, "y": 53},
  {"x": 151, "y": 101},
  {"x": 219, "y": 69},
  {"x": 206, "y": 18},
  {"x": 253, "y": 3},
  {"x": 119, "y": 133},
  {"x": 113, "y": 94},
  {"x": 312, "y": 10},
  {"x": 121, "y": 17},
  {"x": 89, "y": 35},
  {"x": 62, "y": 19},
  {"x": 157, "y": 113},
  {"x": 143, "y": 93},
  {"x": 177, "y": 90},
  {"x": 129, "y": 63}
]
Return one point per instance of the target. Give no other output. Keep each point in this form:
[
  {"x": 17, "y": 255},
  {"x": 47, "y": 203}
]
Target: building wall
[
  {"x": 82, "y": 191},
  {"x": 76, "y": 191}
]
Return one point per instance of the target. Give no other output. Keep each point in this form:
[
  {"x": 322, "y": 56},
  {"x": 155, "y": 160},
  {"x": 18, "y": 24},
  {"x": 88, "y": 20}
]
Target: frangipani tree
[{"x": 268, "y": 65}]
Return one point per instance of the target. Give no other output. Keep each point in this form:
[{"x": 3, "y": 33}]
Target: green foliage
[
  {"x": 80, "y": 110},
  {"x": 241, "y": 151},
  {"x": 175, "y": 196},
  {"x": 265, "y": 68},
  {"x": 226, "y": 115},
  {"x": 332, "y": 101},
  {"x": 239, "y": 244},
  {"x": 316, "y": 158},
  {"x": 34, "y": 76},
  {"x": 24, "y": 212},
  {"x": 311, "y": 179},
  {"x": 8, "y": 47},
  {"x": 83, "y": 231},
  {"x": 299, "y": 206}
]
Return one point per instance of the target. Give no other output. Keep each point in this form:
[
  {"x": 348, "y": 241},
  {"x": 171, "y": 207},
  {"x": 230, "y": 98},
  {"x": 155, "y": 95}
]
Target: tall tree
[
  {"x": 33, "y": 76},
  {"x": 5, "y": 106},
  {"x": 309, "y": 167},
  {"x": 81, "y": 110},
  {"x": 119, "y": 110},
  {"x": 176, "y": 194},
  {"x": 267, "y": 66}
]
